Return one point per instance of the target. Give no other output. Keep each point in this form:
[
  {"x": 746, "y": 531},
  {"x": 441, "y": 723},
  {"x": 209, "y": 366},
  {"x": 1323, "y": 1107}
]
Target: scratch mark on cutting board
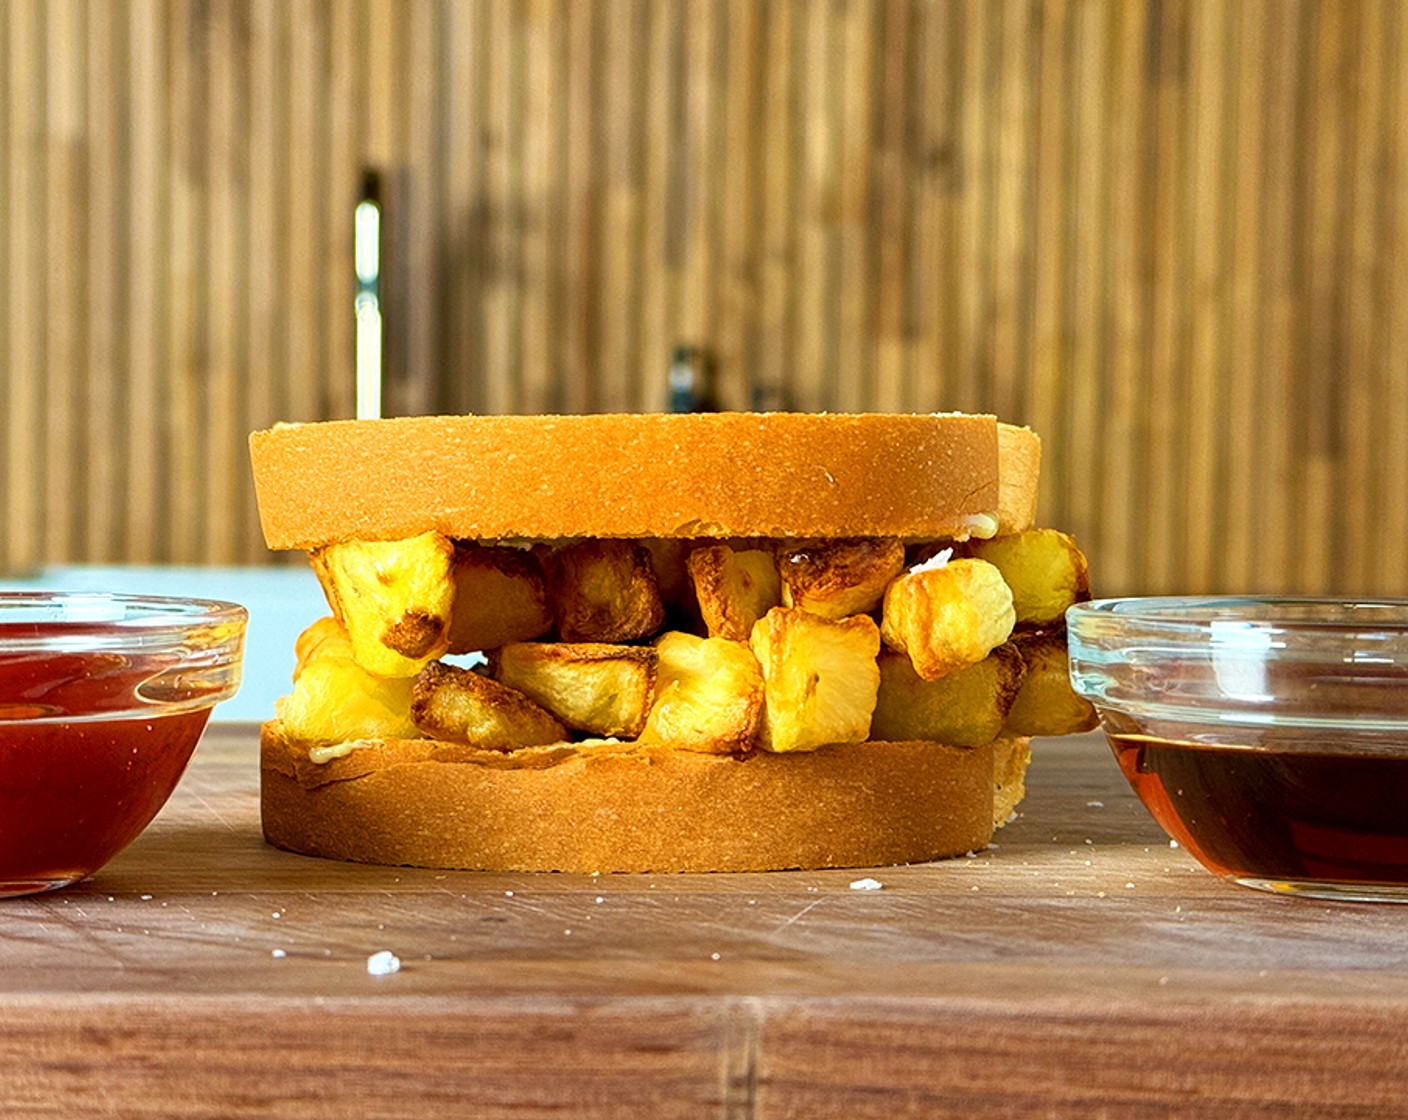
[
  {"x": 799, "y": 915},
  {"x": 209, "y": 808}
]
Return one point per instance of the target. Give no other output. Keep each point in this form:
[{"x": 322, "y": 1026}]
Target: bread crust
[
  {"x": 1019, "y": 462},
  {"x": 625, "y": 807},
  {"x": 636, "y": 476}
]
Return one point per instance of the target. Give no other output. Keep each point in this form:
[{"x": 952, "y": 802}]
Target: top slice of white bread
[{"x": 919, "y": 477}]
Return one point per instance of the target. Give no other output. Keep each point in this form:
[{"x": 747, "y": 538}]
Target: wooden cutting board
[{"x": 1080, "y": 968}]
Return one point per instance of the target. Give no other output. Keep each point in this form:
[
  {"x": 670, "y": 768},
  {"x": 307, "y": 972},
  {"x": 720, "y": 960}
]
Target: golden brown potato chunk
[
  {"x": 500, "y": 597},
  {"x": 335, "y": 700},
  {"x": 464, "y": 707},
  {"x": 735, "y": 587},
  {"x": 1045, "y": 570},
  {"x": 604, "y": 591},
  {"x": 394, "y": 598},
  {"x": 1047, "y": 705},
  {"x": 947, "y": 614},
  {"x": 669, "y": 559},
  {"x": 965, "y": 708},
  {"x": 590, "y": 686},
  {"x": 819, "y": 678},
  {"x": 839, "y": 578},
  {"x": 322, "y": 636},
  {"x": 708, "y": 695}
]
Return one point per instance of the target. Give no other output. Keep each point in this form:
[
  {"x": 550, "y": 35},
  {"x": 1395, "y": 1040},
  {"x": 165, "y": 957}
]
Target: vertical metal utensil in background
[{"x": 366, "y": 255}]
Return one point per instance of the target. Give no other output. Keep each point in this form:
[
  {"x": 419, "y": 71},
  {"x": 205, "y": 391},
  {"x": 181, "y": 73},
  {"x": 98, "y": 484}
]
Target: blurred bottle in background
[{"x": 691, "y": 384}]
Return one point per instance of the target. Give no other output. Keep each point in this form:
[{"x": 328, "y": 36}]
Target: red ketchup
[{"x": 83, "y": 767}]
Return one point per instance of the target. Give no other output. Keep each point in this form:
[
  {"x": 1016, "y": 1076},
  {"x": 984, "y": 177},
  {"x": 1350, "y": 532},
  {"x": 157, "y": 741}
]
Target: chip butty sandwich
[{"x": 663, "y": 642}]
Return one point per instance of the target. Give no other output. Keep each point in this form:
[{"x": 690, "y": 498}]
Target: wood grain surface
[{"x": 1080, "y": 968}]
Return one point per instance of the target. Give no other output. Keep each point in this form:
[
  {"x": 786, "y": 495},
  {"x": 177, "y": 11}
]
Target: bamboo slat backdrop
[{"x": 1170, "y": 235}]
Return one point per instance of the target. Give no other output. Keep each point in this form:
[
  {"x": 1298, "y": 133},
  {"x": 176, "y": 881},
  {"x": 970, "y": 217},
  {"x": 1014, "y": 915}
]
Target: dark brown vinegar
[{"x": 1312, "y": 814}]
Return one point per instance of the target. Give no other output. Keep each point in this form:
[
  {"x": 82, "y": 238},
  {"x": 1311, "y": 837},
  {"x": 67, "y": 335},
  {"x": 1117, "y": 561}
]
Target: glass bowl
[
  {"x": 102, "y": 700},
  {"x": 1268, "y": 736}
]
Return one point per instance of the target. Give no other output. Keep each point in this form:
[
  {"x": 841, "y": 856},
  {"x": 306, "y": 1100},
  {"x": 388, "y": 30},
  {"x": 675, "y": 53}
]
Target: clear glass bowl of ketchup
[
  {"x": 102, "y": 701},
  {"x": 1268, "y": 736}
]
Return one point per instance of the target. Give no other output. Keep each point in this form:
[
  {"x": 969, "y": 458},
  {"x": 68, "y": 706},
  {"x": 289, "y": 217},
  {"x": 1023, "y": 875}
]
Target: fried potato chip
[
  {"x": 947, "y": 615},
  {"x": 604, "y": 591},
  {"x": 708, "y": 695},
  {"x": 590, "y": 686},
  {"x": 669, "y": 559},
  {"x": 1046, "y": 704},
  {"x": 819, "y": 678},
  {"x": 965, "y": 708},
  {"x": 321, "y": 637},
  {"x": 461, "y": 706},
  {"x": 393, "y": 597},
  {"x": 335, "y": 700},
  {"x": 1045, "y": 570},
  {"x": 839, "y": 578},
  {"x": 734, "y": 587},
  {"x": 500, "y": 597}
]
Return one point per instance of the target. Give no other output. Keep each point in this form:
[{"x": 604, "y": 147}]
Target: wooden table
[{"x": 1081, "y": 968}]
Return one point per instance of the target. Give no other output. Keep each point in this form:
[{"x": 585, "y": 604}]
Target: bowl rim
[
  {"x": 112, "y": 620},
  {"x": 1194, "y": 615},
  {"x": 1118, "y": 647},
  {"x": 194, "y": 647}
]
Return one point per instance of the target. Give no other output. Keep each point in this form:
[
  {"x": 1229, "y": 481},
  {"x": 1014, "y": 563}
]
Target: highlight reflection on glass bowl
[
  {"x": 1268, "y": 736},
  {"x": 102, "y": 701}
]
